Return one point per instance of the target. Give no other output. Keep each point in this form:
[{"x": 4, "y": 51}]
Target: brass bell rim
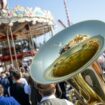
[
  {"x": 48, "y": 75},
  {"x": 40, "y": 63}
]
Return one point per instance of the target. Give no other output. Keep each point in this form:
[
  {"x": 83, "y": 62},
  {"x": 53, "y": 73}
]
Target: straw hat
[{"x": 47, "y": 87}]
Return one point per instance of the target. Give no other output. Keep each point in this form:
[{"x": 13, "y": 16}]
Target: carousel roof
[{"x": 25, "y": 21}]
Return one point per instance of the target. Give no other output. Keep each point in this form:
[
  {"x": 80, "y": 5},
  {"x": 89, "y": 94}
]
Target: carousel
[{"x": 18, "y": 28}]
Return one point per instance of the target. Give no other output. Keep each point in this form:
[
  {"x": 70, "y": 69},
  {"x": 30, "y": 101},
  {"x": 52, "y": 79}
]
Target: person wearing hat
[{"x": 48, "y": 95}]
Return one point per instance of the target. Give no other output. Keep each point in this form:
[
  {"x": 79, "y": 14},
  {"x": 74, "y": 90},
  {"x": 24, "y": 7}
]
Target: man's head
[
  {"x": 46, "y": 90},
  {"x": 16, "y": 75}
]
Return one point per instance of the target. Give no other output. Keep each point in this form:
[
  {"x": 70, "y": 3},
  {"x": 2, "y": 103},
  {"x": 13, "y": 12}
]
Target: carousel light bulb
[
  {"x": 33, "y": 22},
  {"x": 11, "y": 24}
]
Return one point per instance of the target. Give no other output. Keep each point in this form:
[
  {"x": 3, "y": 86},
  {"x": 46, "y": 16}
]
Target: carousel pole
[
  {"x": 30, "y": 34},
  {"x": 9, "y": 46},
  {"x": 52, "y": 32},
  {"x": 4, "y": 66},
  {"x": 44, "y": 39},
  {"x": 14, "y": 48}
]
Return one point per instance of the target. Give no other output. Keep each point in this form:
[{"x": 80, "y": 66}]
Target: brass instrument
[
  {"x": 77, "y": 64},
  {"x": 88, "y": 96},
  {"x": 88, "y": 93}
]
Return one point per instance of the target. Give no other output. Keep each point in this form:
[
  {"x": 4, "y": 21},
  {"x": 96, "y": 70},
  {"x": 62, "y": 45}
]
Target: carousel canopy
[{"x": 25, "y": 21}]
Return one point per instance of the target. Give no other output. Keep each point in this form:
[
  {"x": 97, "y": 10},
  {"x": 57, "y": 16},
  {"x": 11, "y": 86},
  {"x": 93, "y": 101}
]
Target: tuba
[{"x": 77, "y": 64}]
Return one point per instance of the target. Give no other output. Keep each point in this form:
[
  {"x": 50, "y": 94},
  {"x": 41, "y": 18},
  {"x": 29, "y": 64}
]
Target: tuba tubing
[{"x": 89, "y": 85}]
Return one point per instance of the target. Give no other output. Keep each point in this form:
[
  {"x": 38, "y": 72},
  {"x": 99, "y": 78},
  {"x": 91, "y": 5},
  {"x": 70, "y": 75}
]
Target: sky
[{"x": 79, "y": 10}]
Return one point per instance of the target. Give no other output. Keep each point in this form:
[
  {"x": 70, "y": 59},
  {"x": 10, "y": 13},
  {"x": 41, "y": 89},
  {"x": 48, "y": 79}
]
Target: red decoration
[{"x": 7, "y": 58}]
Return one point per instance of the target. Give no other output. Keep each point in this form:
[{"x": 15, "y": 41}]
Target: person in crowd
[
  {"x": 63, "y": 89},
  {"x": 17, "y": 89},
  {"x": 35, "y": 97},
  {"x": 48, "y": 95},
  {"x": 31, "y": 89},
  {"x": 5, "y": 82},
  {"x": 6, "y": 100},
  {"x": 21, "y": 79},
  {"x": 58, "y": 91},
  {"x": 101, "y": 61}
]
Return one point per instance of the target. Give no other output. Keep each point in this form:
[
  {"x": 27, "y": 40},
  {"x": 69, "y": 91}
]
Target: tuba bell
[{"x": 78, "y": 64}]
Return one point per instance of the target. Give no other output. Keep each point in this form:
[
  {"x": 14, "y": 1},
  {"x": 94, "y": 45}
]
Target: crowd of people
[{"x": 18, "y": 88}]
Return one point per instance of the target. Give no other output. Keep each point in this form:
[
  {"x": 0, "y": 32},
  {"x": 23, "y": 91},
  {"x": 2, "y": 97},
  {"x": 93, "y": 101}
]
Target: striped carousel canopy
[{"x": 25, "y": 21}]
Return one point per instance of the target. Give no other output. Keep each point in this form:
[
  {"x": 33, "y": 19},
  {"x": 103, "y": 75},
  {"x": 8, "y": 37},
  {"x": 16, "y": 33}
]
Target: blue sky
[{"x": 79, "y": 10}]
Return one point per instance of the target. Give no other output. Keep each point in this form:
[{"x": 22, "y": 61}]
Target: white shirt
[
  {"x": 53, "y": 96},
  {"x": 27, "y": 89},
  {"x": 23, "y": 81}
]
